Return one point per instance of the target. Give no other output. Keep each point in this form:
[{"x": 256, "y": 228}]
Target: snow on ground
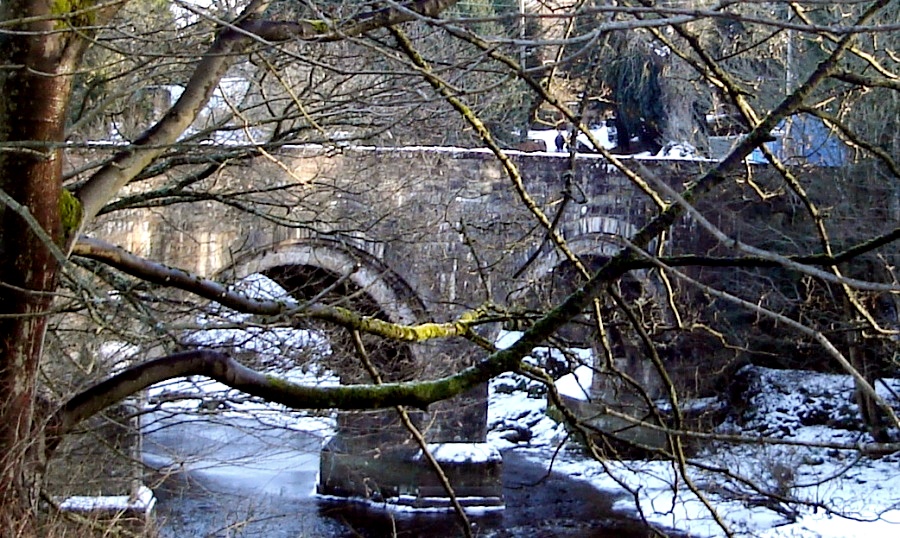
[
  {"x": 516, "y": 417},
  {"x": 838, "y": 492},
  {"x": 517, "y": 406},
  {"x": 286, "y": 353},
  {"x": 548, "y": 137},
  {"x": 200, "y": 398},
  {"x": 606, "y": 138},
  {"x": 577, "y": 384},
  {"x": 461, "y": 453},
  {"x": 141, "y": 503},
  {"x": 846, "y": 494},
  {"x": 678, "y": 150}
]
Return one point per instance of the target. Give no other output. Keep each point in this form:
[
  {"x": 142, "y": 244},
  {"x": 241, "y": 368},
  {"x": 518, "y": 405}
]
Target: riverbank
[{"x": 225, "y": 477}]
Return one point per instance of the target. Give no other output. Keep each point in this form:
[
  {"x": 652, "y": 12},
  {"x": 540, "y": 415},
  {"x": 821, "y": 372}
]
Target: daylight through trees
[{"x": 652, "y": 220}]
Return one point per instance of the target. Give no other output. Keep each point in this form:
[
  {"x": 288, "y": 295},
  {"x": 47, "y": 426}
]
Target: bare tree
[
  {"x": 44, "y": 48},
  {"x": 189, "y": 91}
]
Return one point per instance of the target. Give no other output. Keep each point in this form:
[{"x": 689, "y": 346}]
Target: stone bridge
[
  {"x": 426, "y": 232},
  {"x": 414, "y": 235}
]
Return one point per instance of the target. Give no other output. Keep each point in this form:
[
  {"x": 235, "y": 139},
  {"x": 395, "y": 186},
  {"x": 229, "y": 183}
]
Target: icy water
[{"x": 245, "y": 481}]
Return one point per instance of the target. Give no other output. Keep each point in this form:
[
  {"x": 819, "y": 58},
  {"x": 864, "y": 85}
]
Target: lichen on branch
[
  {"x": 164, "y": 275},
  {"x": 70, "y": 215},
  {"x": 74, "y": 13},
  {"x": 225, "y": 369}
]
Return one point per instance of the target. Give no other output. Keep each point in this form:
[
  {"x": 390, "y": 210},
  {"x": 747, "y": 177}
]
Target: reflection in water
[
  {"x": 234, "y": 480},
  {"x": 191, "y": 508},
  {"x": 377, "y": 523}
]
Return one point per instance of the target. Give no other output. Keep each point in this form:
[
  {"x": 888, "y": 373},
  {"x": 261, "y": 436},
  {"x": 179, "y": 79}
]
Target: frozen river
[{"x": 243, "y": 480}]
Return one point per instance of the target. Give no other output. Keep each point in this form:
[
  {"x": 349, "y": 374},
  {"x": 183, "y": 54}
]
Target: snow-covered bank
[
  {"x": 798, "y": 476},
  {"x": 757, "y": 489}
]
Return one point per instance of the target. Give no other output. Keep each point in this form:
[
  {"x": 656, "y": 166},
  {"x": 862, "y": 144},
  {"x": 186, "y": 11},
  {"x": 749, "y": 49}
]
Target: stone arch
[
  {"x": 626, "y": 381},
  {"x": 550, "y": 278},
  {"x": 395, "y": 298},
  {"x": 338, "y": 269},
  {"x": 332, "y": 270},
  {"x": 588, "y": 237}
]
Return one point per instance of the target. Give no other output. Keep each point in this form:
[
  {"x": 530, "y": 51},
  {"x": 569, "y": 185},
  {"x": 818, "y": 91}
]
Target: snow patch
[
  {"x": 602, "y": 134},
  {"x": 678, "y": 150},
  {"x": 406, "y": 504},
  {"x": 576, "y": 385},
  {"x": 834, "y": 493},
  {"x": 457, "y": 453},
  {"x": 140, "y": 503}
]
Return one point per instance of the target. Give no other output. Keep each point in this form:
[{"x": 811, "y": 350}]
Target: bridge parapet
[{"x": 423, "y": 211}]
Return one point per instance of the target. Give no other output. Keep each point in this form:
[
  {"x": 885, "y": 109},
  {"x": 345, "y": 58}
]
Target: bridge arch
[
  {"x": 551, "y": 277},
  {"x": 328, "y": 269},
  {"x": 590, "y": 238},
  {"x": 339, "y": 260},
  {"x": 595, "y": 240}
]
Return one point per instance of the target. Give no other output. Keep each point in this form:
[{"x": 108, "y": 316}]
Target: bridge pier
[
  {"x": 409, "y": 236},
  {"x": 402, "y": 476},
  {"x": 372, "y": 456}
]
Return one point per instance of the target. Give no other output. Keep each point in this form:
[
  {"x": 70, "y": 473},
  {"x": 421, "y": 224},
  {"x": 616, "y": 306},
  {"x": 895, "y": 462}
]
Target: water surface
[{"x": 240, "y": 480}]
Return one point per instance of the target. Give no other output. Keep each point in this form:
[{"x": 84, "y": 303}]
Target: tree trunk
[
  {"x": 873, "y": 417},
  {"x": 35, "y": 90}
]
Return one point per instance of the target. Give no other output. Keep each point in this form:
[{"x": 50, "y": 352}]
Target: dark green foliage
[{"x": 634, "y": 78}]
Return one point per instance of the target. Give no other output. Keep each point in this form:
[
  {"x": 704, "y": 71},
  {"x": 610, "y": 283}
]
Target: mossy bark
[
  {"x": 32, "y": 112},
  {"x": 36, "y": 84}
]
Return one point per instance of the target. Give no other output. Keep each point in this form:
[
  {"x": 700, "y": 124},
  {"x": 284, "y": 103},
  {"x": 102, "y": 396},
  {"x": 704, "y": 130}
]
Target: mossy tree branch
[
  {"x": 225, "y": 369},
  {"x": 161, "y": 274}
]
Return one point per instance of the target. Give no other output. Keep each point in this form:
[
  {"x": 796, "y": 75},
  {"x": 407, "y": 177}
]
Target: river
[{"x": 238, "y": 479}]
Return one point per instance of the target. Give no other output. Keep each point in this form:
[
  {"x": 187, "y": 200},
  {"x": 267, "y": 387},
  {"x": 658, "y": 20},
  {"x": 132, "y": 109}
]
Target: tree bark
[
  {"x": 32, "y": 114},
  {"x": 39, "y": 58}
]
